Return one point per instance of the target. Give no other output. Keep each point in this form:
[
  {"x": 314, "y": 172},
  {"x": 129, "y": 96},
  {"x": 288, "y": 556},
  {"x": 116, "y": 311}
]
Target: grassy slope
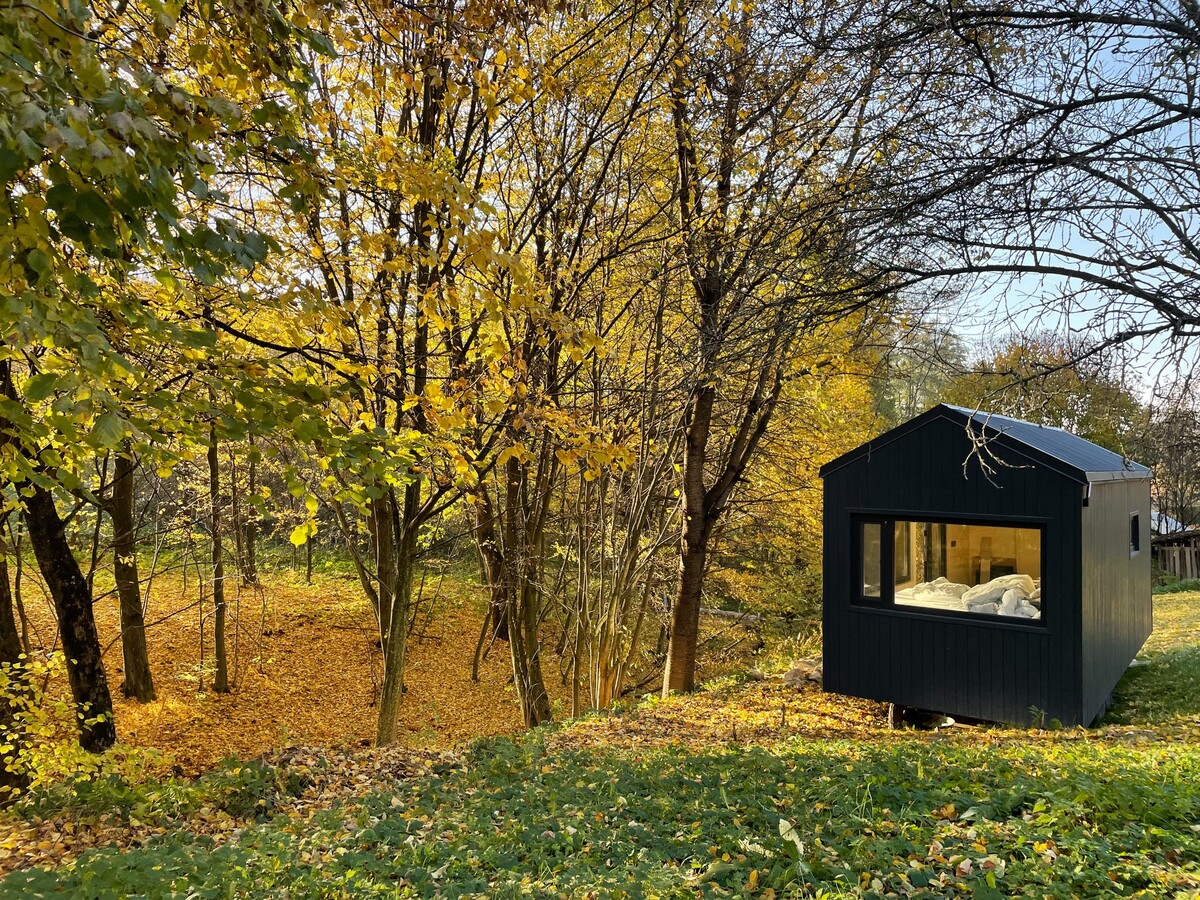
[{"x": 665, "y": 801}]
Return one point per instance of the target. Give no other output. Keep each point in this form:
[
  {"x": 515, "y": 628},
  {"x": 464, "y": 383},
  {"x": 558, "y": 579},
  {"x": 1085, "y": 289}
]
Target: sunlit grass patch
[{"x": 1166, "y": 687}]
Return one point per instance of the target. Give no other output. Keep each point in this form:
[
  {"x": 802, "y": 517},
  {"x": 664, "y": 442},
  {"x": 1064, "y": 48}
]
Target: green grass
[
  {"x": 1068, "y": 820},
  {"x": 982, "y": 813},
  {"x": 243, "y": 789},
  {"x": 1168, "y": 687}
]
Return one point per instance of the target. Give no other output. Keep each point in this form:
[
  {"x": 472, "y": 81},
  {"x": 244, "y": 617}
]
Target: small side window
[
  {"x": 872, "y": 560},
  {"x": 1135, "y": 534}
]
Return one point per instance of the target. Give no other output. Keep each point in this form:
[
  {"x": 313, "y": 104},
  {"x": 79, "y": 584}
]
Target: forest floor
[
  {"x": 305, "y": 668},
  {"x": 747, "y": 788}
]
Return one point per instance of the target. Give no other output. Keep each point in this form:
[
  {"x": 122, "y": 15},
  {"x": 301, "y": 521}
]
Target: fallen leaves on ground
[
  {"x": 1176, "y": 622},
  {"x": 305, "y": 665},
  {"x": 750, "y": 713}
]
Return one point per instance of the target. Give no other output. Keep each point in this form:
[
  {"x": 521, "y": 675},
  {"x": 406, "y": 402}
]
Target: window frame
[
  {"x": 886, "y": 601},
  {"x": 1135, "y": 533},
  {"x": 886, "y": 564},
  {"x": 896, "y": 541}
]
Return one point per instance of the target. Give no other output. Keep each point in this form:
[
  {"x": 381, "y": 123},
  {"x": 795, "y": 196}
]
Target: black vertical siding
[
  {"x": 968, "y": 667},
  {"x": 1116, "y": 596}
]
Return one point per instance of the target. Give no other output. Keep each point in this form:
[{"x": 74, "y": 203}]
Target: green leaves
[
  {"x": 108, "y": 153},
  {"x": 41, "y": 386},
  {"x": 10, "y": 163},
  {"x": 83, "y": 215},
  {"x": 108, "y": 431},
  {"x": 39, "y": 261}
]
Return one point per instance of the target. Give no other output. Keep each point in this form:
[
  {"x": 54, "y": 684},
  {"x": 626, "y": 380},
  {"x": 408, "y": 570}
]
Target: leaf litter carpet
[{"x": 305, "y": 672}]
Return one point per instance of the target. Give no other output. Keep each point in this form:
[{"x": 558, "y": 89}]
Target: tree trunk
[
  {"x": 138, "y": 682},
  {"x": 236, "y": 528},
  {"x": 10, "y": 640},
  {"x": 395, "y": 638},
  {"x": 491, "y": 564},
  {"x": 73, "y": 603},
  {"x": 521, "y": 558},
  {"x": 250, "y": 574},
  {"x": 221, "y": 678},
  {"x": 392, "y": 691},
  {"x": 680, "y": 672},
  {"x": 12, "y": 778},
  {"x": 295, "y": 549},
  {"x": 526, "y": 654},
  {"x": 381, "y": 526},
  {"x": 96, "y": 529},
  {"x": 14, "y": 532}
]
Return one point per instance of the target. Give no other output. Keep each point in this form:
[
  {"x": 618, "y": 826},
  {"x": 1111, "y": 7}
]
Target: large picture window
[{"x": 974, "y": 568}]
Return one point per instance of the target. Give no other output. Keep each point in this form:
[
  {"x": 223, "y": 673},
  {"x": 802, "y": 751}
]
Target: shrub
[
  {"x": 1172, "y": 585},
  {"x": 39, "y": 739},
  {"x": 794, "y": 593}
]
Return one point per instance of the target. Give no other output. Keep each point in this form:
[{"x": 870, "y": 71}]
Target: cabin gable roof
[{"x": 1067, "y": 454}]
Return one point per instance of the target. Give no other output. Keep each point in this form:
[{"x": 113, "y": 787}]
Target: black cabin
[{"x": 985, "y": 567}]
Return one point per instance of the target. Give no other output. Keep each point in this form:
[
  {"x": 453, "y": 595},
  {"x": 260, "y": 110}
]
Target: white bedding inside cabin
[
  {"x": 1014, "y": 596},
  {"x": 909, "y": 597}
]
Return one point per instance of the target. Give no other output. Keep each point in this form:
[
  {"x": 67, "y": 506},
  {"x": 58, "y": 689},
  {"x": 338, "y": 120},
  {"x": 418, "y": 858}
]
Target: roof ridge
[
  {"x": 994, "y": 415},
  {"x": 1064, "y": 450}
]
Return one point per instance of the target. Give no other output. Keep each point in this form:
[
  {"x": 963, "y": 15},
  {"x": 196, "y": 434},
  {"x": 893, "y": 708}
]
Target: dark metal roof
[
  {"x": 1091, "y": 460},
  {"x": 1058, "y": 449}
]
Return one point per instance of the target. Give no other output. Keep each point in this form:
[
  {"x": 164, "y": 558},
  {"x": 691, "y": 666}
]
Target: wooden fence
[{"x": 1182, "y": 562}]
